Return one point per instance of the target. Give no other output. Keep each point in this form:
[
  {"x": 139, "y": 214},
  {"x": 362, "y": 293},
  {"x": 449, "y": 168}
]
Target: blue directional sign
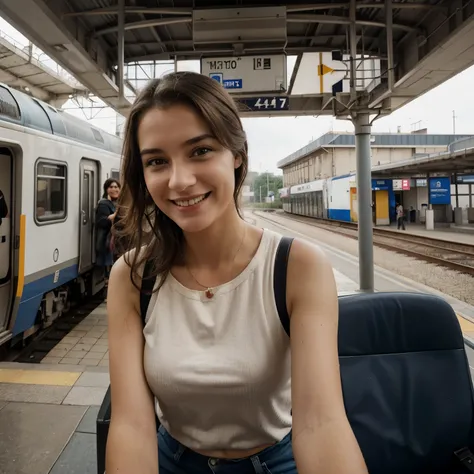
[
  {"x": 219, "y": 77},
  {"x": 381, "y": 184},
  {"x": 233, "y": 84},
  {"x": 266, "y": 103},
  {"x": 227, "y": 83},
  {"x": 440, "y": 190}
]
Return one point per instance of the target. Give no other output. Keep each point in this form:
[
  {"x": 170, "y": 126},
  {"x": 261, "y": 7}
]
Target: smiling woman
[{"x": 231, "y": 390}]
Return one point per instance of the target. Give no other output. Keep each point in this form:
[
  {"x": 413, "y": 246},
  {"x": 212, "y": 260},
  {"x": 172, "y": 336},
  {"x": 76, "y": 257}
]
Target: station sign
[
  {"x": 266, "y": 103},
  {"x": 401, "y": 184},
  {"x": 307, "y": 187},
  {"x": 440, "y": 190},
  {"x": 248, "y": 73},
  {"x": 465, "y": 179},
  {"x": 328, "y": 73},
  {"x": 381, "y": 184}
]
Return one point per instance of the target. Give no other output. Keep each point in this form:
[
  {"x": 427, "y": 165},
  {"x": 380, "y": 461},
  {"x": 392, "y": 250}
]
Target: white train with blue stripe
[
  {"x": 324, "y": 198},
  {"x": 52, "y": 168}
]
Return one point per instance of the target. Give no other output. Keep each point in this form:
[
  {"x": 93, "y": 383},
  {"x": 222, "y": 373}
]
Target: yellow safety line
[
  {"x": 38, "y": 377},
  {"x": 21, "y": 257},
  {"x": 466, "y": 324}
]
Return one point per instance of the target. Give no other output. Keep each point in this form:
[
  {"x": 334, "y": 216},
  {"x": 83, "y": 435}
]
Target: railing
[
  {"x": 463, "y": 144},
  {"x": 43, "y": 59}
]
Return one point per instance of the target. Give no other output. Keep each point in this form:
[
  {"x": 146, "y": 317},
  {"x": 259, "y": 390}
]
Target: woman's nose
[{"x": 182, "y": 177}]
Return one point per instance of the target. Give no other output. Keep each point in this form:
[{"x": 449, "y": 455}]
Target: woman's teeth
[{"x": 191, "y": 202}]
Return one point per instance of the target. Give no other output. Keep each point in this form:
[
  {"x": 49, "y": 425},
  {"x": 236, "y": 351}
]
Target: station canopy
[
  {"x": 190, "y": 29},
  {"x": 458, "y": 159},
  {"x": 268, "y": 49}
]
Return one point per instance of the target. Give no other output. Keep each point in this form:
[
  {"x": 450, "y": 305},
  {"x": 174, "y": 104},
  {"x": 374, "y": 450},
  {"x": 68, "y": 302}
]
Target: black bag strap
[
  {"x": 146, "y": 289},
  {"x": 279, "y": 281}
]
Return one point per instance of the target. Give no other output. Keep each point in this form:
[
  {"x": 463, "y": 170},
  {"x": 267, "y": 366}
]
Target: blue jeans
[{"x": 174, "y": 458}]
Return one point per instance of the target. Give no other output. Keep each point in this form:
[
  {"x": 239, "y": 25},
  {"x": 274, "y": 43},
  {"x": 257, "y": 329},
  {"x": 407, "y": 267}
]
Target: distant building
[{"x": 333, "y": 154}]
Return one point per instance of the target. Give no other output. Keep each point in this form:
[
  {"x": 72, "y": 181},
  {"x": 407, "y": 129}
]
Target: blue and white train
[
  {"x": 324, "y": 198},
  {"x": 52, "y": 168}
]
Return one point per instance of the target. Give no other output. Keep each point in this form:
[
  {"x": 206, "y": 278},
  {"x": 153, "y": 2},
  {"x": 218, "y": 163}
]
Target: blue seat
[{"x": 406, "y": 382}]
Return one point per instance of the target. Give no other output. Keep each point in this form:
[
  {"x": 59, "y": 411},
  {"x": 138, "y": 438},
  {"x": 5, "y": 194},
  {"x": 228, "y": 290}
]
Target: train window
[
  {"x": 51, "y": 191},
  {"x": 115, "y": 174}
]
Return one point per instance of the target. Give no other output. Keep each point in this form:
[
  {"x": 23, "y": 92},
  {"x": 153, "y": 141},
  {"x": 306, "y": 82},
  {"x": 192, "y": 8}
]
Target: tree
[{"x": 260, "y": 189}]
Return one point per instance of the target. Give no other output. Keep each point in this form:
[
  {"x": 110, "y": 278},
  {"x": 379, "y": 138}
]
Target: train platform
[
  {"x": 464, "y": 234},
  {"x": 48, "y": 410}
]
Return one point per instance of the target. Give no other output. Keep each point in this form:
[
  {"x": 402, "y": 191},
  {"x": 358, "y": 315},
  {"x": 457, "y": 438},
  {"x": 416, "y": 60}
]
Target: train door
[
  {"x": 6, "y": 221},
  {"x": 319, "y": 204},
  {"x": 88, "y": 199}
]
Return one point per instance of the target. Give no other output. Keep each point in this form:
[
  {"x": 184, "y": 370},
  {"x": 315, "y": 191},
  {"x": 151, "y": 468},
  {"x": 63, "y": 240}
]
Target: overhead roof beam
[
  {"x": 360, "y": 6},
  {"x": 19, "y": 83},
  {"x": 143, "y": 24},
  {"x": 152, "y": 30},
  {"x": 147, "y": 11},
  {"x": 189, "y": 42},
  {"x": 342, "y": 20},
  {"x": 230, "y": 51}
]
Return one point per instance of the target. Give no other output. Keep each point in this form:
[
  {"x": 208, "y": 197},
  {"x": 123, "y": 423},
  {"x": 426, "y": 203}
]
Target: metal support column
[
  {"x": 353, "y": 48},
  {"x": 389, "y": 31},
  {"x": 363, "y": 127},
  {"x": 120, "y": 49}
]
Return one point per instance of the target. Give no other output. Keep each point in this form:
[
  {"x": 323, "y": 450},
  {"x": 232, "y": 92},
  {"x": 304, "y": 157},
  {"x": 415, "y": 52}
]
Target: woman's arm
[
  {"x": 132, "y": 445},
  {"x": 104, "y": 217},
  {"x": 323, "y": 440}
]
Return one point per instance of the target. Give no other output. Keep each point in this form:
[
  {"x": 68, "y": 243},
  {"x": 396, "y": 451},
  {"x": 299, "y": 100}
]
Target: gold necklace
[{"x": 209, "y": 291}]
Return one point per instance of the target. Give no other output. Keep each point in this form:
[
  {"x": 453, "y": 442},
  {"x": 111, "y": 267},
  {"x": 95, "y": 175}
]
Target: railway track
[{"x": 454, "y": 255}]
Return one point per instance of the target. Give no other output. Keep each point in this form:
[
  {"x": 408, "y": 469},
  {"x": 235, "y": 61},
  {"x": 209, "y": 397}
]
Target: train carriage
[
  {"x": 52, "y": 167},
  {"x": 309, "y": 199}
]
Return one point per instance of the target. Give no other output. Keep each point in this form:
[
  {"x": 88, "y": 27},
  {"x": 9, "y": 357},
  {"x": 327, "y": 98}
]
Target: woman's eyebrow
[{"x": 191, "y": 141}]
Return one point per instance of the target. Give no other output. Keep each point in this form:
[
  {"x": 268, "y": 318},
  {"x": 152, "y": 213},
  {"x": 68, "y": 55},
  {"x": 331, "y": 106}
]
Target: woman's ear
[{"x": 237, "y": 161}]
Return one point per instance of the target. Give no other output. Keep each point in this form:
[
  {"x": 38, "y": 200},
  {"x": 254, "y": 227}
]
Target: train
[
  {"x": 331, "y": 198},
  {"x": 52, "y": 169}
]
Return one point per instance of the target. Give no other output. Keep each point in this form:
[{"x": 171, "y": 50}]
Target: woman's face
[
  {"x": 189, "y": 175},
  {"x": 113, "y": 191}
]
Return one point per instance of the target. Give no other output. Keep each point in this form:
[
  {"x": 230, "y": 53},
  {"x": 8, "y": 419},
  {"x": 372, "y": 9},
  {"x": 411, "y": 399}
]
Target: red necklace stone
[{"x": 209, "y": 294}]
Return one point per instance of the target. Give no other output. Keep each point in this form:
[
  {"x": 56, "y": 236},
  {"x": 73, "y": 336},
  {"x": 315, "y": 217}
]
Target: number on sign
[{"x": 265, "y": 103}]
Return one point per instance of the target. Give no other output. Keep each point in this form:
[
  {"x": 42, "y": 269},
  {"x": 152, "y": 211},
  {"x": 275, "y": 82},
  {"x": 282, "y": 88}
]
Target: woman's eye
[
  {"x": 201, "y": 151},
  {"x": 156, "y": 162}
]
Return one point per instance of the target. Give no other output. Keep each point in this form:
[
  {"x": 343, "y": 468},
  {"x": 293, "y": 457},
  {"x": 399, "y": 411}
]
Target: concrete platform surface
[
  {"x": 48, "y": 411},
  {"x": 445, "y": 233}
]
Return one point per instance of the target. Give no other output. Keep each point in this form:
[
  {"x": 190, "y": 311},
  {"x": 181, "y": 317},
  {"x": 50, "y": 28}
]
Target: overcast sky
[{"x": 271, "y": 139}]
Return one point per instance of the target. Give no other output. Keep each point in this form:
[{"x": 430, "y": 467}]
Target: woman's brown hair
[{"x": 147, "y": 232}]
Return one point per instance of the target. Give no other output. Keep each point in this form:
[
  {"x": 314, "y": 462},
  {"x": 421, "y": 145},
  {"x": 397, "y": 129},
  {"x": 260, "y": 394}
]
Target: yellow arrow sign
[{"x": 323, "y": 69}]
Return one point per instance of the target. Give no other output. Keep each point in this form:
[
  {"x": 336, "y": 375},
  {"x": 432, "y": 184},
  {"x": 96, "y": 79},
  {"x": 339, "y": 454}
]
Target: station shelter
[
  {"x": 433, "y": 189},
  {"x": 416, "y": 195}
]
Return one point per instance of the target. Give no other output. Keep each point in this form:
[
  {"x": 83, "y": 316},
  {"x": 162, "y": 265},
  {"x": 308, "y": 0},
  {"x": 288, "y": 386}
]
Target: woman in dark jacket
[{"x": 105, "y": 215}]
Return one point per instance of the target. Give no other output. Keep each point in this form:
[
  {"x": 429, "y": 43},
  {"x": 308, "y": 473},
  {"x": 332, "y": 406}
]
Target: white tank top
[{"x": 220, "y": 368}]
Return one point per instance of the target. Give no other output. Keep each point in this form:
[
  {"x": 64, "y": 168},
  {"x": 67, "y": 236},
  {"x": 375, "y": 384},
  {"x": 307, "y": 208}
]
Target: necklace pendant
[{"x": 209, "y": 293}]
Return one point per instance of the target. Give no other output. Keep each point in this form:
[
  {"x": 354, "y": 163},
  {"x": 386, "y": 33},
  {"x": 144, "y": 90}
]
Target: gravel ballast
[{"x": 450, "y": 282}]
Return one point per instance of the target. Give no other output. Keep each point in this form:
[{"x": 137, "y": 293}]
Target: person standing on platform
[
  {"x": 400, "y": 216},
  {"x": 232, "y": 391},
  {"x": 104, "y": 219}
]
